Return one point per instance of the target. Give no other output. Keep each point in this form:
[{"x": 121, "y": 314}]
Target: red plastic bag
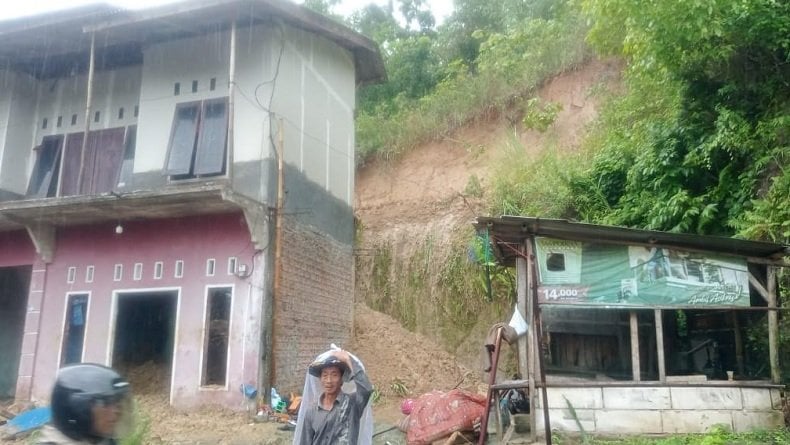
[{"x": 439, "y": 414}]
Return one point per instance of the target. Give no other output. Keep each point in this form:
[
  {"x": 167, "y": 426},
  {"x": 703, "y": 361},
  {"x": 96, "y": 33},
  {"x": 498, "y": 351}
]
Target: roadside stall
[{"x": 643, "y": 332}]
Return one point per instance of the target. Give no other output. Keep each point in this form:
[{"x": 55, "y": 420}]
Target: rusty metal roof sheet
[{"x": 512, "y": 231}]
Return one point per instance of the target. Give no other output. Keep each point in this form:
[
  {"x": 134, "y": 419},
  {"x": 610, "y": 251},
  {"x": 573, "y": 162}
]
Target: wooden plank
[
  {"x": 773, "y": 327},
  {"x": 759, "y": 287},
  {"x": 634, "y": 347},
  {"x": 779, "y": 262},
  {"x": 662, "y": 364}
]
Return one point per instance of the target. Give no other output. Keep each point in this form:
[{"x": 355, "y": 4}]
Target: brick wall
[{"x": 316, "y": 303}]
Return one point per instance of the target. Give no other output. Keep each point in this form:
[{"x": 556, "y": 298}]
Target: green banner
[{"x": 572, "y": 272}]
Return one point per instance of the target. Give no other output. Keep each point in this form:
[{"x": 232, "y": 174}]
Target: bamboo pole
[
  {"x": 231, "y": 102},
  {"x": 88, "y": 100},
  {"x": 278, "y": 245}
]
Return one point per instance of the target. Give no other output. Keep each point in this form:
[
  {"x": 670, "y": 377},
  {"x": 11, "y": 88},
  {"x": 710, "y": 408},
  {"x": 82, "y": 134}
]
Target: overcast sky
[{"x": 14, "y": 8}]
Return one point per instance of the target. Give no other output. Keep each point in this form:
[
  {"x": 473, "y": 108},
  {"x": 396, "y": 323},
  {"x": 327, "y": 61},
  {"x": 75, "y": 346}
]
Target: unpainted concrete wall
[
  {"x": 661, "y": 410},
  {"x": 315, "y": 96},
  {"x": 19, "y": 92}
]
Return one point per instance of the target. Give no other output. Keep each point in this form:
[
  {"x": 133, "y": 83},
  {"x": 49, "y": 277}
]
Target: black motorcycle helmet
[{"x": 77, "y": 388}]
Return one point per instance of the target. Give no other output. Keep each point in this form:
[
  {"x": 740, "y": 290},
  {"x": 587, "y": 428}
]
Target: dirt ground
[{"x": 399, "y": 363}]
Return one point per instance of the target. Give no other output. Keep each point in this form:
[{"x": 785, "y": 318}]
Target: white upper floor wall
[{"x": 283, "y": 74}]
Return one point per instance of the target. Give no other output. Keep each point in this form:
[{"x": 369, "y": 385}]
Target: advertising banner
[{"x": 573, "y": 272}]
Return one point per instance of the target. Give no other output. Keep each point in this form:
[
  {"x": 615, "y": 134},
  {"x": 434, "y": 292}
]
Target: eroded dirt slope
[
  {"x": 427, "y": 183},
  {"x": 424, "y": 194}
]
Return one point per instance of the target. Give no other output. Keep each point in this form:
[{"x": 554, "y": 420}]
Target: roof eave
[
  {"x": 517, "y": 228},
  {"x": 368, "y": 62}
]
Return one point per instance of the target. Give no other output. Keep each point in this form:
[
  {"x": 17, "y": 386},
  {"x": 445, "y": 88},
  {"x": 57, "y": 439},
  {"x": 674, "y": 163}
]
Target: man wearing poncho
[{"x": 336, "y": 416}]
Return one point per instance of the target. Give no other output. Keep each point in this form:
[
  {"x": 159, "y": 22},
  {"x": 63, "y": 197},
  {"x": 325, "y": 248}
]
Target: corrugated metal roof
[
  {"x": 52, "y": 44},
  {"x": 513, "y": 231}
]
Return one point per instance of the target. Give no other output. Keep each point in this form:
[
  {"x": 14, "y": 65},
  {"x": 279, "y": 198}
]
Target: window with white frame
[
  {"x": 74, "y": 329},
  {"x": 179, "y": 269},
  {"x": 215, "y": 348},
  {"x": 71, "y": 275},
  {"x": 158, "y": 270},
  {"x": 211, "y": 265},
  {"x": 89, "y": 274},
  {"x": 138, "y": 271},
  {"x": 232, "y": 261},
  {"x": 44, "y": 178},
  {"x": 117, "y": 273},
  {"x": 198, "y": 139}
]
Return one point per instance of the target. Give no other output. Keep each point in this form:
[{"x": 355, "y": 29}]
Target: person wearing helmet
[
  {"x": 335, "y": 418},
  {"x": 88, "y": 406}
]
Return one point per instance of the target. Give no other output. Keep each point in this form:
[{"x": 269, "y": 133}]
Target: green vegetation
[
  {"x": 535, "y": 184},
  {"x": 700, "y": 142},
  {"x": 696, "y": 140},
  {"x": 141, "y": 425},
  {"x": 399, "y": 388},
  {"x": 485, "y": 59},
  {"x": 434, "y": 287},
  {"x": 539, "y": 116},
  {"x": 717, "y": 436}
]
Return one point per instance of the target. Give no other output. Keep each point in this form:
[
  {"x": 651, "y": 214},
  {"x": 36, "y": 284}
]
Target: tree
[{"x": 701, "y": 158}]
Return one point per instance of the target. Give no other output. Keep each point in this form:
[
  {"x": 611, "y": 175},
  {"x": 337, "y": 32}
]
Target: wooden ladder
[{"x": 493, "y": 395}]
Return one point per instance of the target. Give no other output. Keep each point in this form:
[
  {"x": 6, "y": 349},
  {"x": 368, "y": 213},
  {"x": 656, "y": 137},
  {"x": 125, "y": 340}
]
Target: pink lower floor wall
[{"x": 181, "y": 260}]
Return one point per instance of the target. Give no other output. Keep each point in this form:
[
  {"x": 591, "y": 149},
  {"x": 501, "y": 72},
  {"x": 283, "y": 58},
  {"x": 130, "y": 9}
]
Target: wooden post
[
  {"x": 277, "y": 294},
  {"x": 521, "y": 305},
  {"x": 635, "y": 347},
  {"x": 773, "y": 326},
  {"x": 662, "y": 367},
  {"x": 538, "y": 334},
  {"x": 533, "y": 398},
  {"x": 736, "y": 328}
]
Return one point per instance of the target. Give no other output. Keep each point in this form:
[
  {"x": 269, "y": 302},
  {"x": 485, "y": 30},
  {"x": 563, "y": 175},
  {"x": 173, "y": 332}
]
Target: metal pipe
[{"x": 88, "y": 100}]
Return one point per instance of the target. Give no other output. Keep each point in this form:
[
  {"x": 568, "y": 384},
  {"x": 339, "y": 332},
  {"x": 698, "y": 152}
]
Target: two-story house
[{"x": 176, "y": 189}]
